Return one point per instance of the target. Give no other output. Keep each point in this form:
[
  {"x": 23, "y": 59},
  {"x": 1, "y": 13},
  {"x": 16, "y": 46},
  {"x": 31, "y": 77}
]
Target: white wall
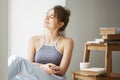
[
  {"x": 3, "y": 38},
  {"x": 26, "y": 18},
  {"x": 86, "y": 19}
]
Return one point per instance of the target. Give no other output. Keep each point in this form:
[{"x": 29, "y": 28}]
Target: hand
[
  {"x": 56, "y": 68},
  {"x": 51, "y": 68}
]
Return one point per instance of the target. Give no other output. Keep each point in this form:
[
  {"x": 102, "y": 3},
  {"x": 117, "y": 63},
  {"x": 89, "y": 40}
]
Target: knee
[{"x": 14, "y": 58}]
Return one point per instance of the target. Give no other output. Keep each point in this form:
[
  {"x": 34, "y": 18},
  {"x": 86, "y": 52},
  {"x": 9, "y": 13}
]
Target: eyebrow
[{"x": 50, "y": 14}]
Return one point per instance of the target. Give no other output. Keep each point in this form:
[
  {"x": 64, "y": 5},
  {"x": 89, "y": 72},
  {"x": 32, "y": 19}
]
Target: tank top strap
[
  {"x": 57, "y": 40},
  {"x": 43, "y": 40}
]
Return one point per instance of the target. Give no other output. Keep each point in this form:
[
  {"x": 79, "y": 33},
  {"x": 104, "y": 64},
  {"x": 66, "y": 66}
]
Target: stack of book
[{"x": 109, "y": 35}]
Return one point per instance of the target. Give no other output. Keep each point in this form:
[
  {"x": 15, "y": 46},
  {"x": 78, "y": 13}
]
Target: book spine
[
  {"x": 111, "y": 37},
  {"x": 105, "y": 31}
]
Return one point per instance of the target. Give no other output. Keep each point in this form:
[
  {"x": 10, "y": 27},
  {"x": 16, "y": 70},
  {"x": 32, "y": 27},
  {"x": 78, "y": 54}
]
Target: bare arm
[
  {"x": 31, "y": 49},
  {"x": 68, "y": 48}
]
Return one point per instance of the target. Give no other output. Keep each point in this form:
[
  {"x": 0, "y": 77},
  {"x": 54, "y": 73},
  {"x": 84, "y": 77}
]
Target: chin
[{"x": 45, "y": 25}]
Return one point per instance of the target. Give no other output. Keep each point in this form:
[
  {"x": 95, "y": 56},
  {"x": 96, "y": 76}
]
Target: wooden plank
[
  {"x": 86, "y": 54},
  {"x": 97, "y": 47},
  {"x": 115, "y": 75},
  {"x": 115, "y": 47},
  {"x": 77, "y": 75},
  {"x": 108, "y": 61}
]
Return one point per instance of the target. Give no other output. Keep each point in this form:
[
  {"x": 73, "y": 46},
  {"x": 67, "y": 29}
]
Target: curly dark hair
[{"x": 62, "y": 15}]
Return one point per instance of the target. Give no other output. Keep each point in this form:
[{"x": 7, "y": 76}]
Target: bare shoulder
[
  {"x": 35, "y": 39},
  {"x": 68, "y": 41}
]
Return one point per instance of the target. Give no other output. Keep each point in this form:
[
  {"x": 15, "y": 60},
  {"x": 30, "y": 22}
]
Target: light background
[
  {"x": 26, "y": 20},
  {"x": 86, "y": 19}
]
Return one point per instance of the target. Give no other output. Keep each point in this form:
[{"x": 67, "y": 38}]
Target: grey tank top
[{"x": 48, "y": 54}]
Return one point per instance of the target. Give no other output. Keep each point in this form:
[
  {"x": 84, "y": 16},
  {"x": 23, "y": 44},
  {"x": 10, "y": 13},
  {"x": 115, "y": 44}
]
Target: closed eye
[{"x": 51, "y": 17}]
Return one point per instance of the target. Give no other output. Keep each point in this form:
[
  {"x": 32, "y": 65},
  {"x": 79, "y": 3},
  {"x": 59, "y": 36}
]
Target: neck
[{"x": 51, "y": 36}]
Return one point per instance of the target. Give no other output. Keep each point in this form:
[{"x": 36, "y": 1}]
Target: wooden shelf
[
  {"x": 107, "y": 48},
  {"x": 115, "y": 74}
]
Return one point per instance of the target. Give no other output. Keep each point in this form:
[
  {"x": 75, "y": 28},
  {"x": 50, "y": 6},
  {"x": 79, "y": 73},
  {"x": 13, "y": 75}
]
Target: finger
[
  {"x": 50, "y": 64},
  {"x": 55, "y": 72},
  {"x": 49, "y": 70}
]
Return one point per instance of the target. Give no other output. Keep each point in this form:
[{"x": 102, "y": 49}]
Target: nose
[{"x": 47, "y": 17}]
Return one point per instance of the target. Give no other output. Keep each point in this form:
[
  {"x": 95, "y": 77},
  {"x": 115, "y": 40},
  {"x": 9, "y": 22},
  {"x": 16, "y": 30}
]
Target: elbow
[{"x": 62, "y": 73}]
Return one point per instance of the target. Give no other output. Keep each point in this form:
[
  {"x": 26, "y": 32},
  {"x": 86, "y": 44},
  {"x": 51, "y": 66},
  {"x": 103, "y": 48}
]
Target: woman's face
[{"x": 51, "y": 21}]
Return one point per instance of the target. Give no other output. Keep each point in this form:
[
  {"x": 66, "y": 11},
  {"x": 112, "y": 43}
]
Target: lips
[{"x": 46, "y": 22}]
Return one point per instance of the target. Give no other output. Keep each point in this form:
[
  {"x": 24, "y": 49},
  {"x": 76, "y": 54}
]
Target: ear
[{"x": 61, "y": 24}]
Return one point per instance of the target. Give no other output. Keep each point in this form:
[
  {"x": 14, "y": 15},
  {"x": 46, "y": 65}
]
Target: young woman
[{"x": 49, "y": 55}]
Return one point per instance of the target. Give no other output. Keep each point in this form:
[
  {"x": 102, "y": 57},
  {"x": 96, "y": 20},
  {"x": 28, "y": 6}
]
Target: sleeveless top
[{"x": 49, "y": 53}]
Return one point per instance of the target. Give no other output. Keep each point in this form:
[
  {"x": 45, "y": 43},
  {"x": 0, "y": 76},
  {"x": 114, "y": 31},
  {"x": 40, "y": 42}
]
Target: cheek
[{"x": 50, "y": 23}]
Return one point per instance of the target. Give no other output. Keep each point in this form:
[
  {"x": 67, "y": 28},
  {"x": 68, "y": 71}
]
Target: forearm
[{"x": 57, "y": 70}]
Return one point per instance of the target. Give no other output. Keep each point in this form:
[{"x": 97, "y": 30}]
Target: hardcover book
[
  {"x": 111, "y": 30},
  {"x": 92, "y": 71},
  {"x": 111, "y": 37}
]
